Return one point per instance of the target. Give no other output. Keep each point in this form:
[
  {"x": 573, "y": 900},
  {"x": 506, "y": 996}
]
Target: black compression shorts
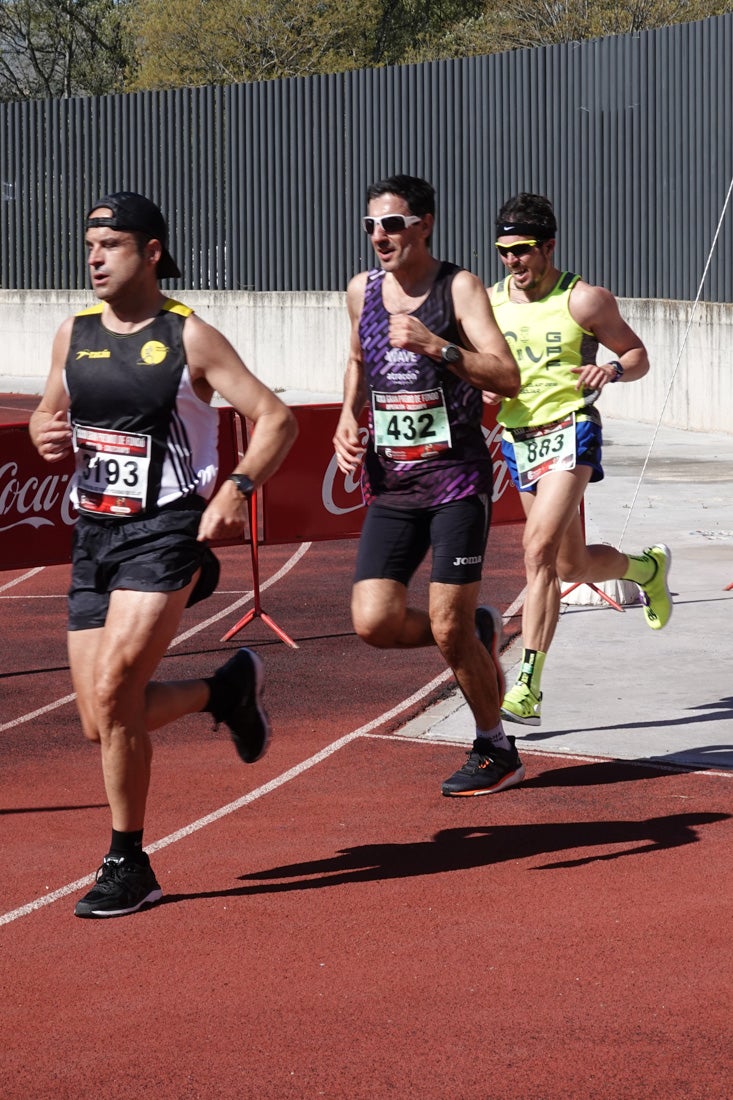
[{"x": 394, "y": 541}]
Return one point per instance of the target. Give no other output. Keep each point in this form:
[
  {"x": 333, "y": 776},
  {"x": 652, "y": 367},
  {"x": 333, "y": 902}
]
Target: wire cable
[{"x": 677, "y": 362}]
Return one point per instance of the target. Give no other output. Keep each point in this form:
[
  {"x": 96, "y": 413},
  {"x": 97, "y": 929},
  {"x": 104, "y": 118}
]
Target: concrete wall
[
  {"x": 299, "y": 342},
  {"x": 290, "y": 341},
  {"x": 691, "y": 379}
]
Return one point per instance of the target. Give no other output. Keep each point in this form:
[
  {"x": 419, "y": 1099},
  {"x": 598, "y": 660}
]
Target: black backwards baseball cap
[{"x": 135, "y": 213}]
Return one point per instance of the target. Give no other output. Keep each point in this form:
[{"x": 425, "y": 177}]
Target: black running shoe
[
  {"x": 236, "y": 699},
  {"x": 488, "y": 627},
  {"x": 123, "y": 886},
  {"x": 486, "y": 771}
]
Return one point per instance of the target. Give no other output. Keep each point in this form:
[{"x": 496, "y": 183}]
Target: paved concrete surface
[{"x": 612, "y": 687}]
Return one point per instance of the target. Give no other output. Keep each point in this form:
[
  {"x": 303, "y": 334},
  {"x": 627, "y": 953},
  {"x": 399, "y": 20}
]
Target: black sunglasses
[{"x": 519, "y": 249}]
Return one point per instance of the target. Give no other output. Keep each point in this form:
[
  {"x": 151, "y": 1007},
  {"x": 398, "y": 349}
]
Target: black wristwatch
[
  {"x": 244, "y": 484},
  {"x": 450, "y": 354}
]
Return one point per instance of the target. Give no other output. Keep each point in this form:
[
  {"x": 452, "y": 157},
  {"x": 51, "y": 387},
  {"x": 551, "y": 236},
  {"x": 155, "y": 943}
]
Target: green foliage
[
  {"x": 77, "y": 47},
  {"x": 419, "y": 30},
  {"x": 182, "y": 42},
  {"x": 530, "y": 23},
  {"x": 223, "y": 41},
  {"x": 56, "y": 48},
  {"x": 193, "y": 42}
]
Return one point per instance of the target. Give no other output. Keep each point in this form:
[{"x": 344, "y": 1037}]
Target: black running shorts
[
  {"x": 152, "y": 553},
  {"x": 394, "y": 541}
]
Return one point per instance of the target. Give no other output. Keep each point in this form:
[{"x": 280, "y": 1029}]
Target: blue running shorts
[{"x": 588, "y": 448}]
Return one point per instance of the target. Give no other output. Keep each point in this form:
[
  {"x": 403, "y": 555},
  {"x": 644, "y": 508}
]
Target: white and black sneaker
[
  {"x": 487, "y": 770},
  {"x": 237, "y": 689},
  {"x": 123, "y": 886}
]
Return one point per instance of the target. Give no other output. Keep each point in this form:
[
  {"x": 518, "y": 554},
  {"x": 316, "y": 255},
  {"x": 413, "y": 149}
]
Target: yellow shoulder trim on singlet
[
  {"x": 170, "y": 304},
  {"x": 177, "y": 307}
]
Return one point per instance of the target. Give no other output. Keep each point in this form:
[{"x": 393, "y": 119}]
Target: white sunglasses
[{"x": 390, "y": 223}]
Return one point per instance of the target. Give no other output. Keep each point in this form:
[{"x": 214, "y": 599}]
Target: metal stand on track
[
  {"x": 596, "y": 589},
  {"x": 256, "y": 612}
]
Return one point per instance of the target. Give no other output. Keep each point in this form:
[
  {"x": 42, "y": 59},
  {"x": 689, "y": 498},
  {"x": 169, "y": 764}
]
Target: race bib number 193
[{"x": 111, "y": 470}]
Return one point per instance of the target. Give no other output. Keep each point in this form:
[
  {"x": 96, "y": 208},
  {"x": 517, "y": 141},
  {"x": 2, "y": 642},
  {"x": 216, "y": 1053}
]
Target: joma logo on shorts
[{"x": 467, "y": 561}]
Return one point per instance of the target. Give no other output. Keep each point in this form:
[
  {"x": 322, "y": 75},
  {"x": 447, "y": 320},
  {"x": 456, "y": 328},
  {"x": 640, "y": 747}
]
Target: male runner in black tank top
[{"x": 129, "y": 391}]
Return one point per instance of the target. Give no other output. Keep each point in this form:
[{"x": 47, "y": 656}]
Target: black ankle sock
[
  {"x": 209, "y": 709},
  {"x": 127, "y": 845}
]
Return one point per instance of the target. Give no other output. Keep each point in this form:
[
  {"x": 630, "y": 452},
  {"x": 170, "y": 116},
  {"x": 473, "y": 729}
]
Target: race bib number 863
[{"x": 539, "y": 451}]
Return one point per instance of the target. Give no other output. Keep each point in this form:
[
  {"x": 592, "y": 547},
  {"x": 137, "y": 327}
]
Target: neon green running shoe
[
  {"x": 655, "y": 594},
  {"x": 522, "y": 705}
]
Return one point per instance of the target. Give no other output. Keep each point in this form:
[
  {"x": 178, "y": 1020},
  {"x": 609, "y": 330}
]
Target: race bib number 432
[
  {"x": 409, "y": 427},
  {"x": 539, "y": 451},
  {"x": 111, "y": 470}
]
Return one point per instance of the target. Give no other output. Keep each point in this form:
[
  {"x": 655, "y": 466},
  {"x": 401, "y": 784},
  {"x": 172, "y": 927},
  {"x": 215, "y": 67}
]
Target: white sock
[{"x": 497, "y": 737}]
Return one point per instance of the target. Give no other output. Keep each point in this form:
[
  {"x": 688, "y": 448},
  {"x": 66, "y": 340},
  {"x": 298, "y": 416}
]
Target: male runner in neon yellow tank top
[{"x": 554, "y": 322}]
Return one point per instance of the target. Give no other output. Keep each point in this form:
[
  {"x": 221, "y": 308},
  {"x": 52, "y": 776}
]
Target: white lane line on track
[
  {"x": 514, "y": 607},
  {"x": 284, "y": 569},
  {"x": 24, "y": 577},
  {"x": 232, "y": 807},
  {"x": 245, "y": 800},
  {"x": 37, "y": 713},
  {"x": 557, "y": 754}
]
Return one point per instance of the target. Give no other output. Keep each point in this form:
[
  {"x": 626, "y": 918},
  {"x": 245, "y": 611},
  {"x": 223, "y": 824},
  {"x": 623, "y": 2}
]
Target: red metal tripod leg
[
  {"x": 256, "y": 611},
  {"x": 589, "y": 584},
  {"x": 601, "y": 593}
]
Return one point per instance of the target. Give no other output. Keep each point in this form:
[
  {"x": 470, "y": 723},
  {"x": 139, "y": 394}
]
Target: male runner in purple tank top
[{"x": 424, "y": 344}]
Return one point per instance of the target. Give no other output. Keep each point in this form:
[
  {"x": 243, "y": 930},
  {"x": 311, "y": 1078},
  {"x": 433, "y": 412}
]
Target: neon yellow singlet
[{"x": 546, "y": 342}]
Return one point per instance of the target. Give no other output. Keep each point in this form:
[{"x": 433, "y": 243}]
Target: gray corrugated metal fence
[{"x": 263, "y": 184}]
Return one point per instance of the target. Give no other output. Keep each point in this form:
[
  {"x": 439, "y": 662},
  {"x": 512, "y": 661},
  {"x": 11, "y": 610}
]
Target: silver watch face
[{"x": 450, "y": 354}]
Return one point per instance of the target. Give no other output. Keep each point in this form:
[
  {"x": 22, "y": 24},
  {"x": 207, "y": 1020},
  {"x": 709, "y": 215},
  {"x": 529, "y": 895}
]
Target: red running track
[{"x": 331, "y": 926}]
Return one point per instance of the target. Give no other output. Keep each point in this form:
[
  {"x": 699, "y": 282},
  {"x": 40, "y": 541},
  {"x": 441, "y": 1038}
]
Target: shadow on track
[
  {"x": 53, "y": 809},
  {"x": 467, "y": 848}
]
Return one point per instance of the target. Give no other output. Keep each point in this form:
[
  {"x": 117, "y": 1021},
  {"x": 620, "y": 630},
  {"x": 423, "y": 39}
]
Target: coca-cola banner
[
  {"x": 36, "y": 515},
  {"x": 309, "y": 499}
]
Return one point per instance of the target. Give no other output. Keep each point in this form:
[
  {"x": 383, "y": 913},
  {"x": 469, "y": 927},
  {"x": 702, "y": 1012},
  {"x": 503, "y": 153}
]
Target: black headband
[{"x": 524, "y": 229}]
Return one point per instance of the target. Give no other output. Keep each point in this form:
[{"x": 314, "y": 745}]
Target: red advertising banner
[
  {"x": 36, "y": 514},
  {"x": 309, "y": 499}
]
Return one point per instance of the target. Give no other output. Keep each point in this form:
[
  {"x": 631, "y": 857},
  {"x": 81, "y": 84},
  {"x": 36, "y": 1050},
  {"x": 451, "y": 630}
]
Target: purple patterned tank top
[{"x": 426, "y": 446}]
